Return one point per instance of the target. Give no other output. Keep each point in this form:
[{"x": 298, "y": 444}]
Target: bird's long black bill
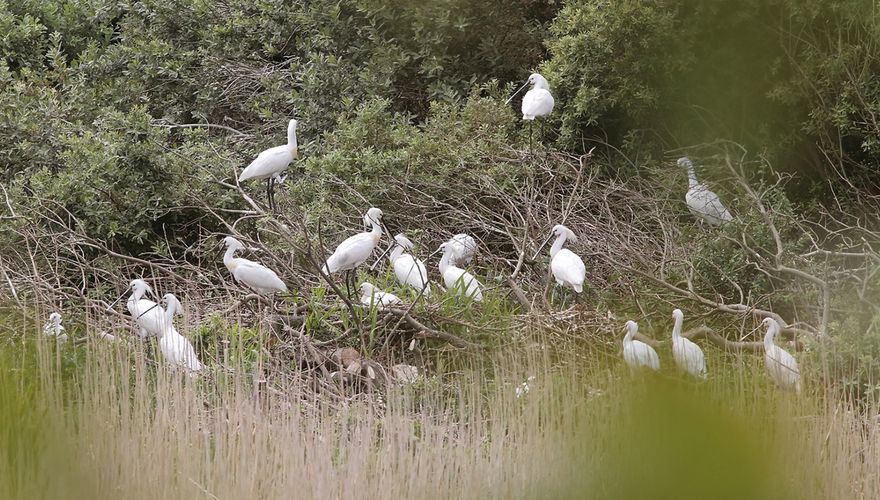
[{"x": 516, "y": 93}]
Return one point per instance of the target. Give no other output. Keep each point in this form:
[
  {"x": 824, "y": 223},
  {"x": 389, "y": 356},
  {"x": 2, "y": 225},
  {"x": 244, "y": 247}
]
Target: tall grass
[{"x": 121, "y": 426}]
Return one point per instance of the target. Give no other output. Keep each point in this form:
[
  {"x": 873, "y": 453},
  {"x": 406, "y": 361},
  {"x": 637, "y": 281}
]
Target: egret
[
  {"x": 256, "y": 276},
  {"x": 372, "y": 296},
  {"x": 781, "y": 365},
  {"x": 567, "y": 266},
  {"x": 701, "y": 201},
  {"x": 463, "y": 248},
  {"x": 456, "y": 278},
  {"x": 538, "y": 101},
  {"x": 408, "y": 269},
  {"x": 636, "y": 353},
  {"x": 176, "y": 349},
  {"x": 271, "y": 163},
  {"x": 688, "y": 355},
  {"x": 148, "y": 315},
  {"x": 355, "y": 250},
  {"x": 53, "y": 328}
]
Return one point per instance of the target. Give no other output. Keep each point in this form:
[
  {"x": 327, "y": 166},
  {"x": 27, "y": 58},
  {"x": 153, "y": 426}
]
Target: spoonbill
[
  {"x": 408, "y": 269},
  {"x": 355, "y": 250},
  {"x": 256, "y": 276},
  {"x": 781, "y": 365},
  {"x": 463, "y": 248},
  {"x": 688, "y": 355},
  {"x": 456, "y": 278},
  {"x": 53, "y": 328},
  {"x": 370, "y": 296},
  {"x": 636, "y": 353},
  {"x": 148, "y": 315},
  {"x": 271, "y": 163},
  {"x": 701, "y": 201},
  {"x": 177, "y": 349},
  {"x": 567, "y": 266},
  {"x": 538, "y": 101}
]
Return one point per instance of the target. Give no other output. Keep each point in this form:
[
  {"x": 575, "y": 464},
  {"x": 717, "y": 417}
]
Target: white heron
[
  {"x": 688, "y": 355},
  {"x": 781, "y": 365},
  {"x": 372, "y": 296},
  {"x": 54, "y": 328},
  {"x": 256, "y": 276},
  {"x": 177, "y": 349},
  {"x": 148, "y": 315},
  {"x": 464, "y": 247},
  {"x": 355, "y": 250},
  {"x": 456, "y": 278},
  {"x": 272, "y": 162},
  {"x": 636, "y": 353},
  {"x": 537, "y": 103},
  {"x": 701, "y": 201},
  {"x": 408, "y": 269},
  {"x": 567, "y": 266}
]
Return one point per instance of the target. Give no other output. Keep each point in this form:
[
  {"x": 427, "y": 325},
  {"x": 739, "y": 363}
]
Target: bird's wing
[
  {"x": 706, "y": 202},
  {"x": 267, "y": 163},
  {"x": 648, "y": 355},
  {"x": 410, "y": 271},
  {"x": 568, "y": 266},
  {"x": 537, "y": 102},
  {"x": 257, "y": 275},
  {"x": 352, "y": 251},
  {"x": 464, "y": 282}
]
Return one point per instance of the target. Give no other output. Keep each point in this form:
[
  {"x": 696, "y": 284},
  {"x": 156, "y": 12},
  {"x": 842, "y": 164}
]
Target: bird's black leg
[
  {"x": 530, "y": 136},
  {"x": 269, "y": 192},
  {"x": 347, "y": 289},
  {"x": 542, "y": 135},
  {"x": 272, "y": 194}
]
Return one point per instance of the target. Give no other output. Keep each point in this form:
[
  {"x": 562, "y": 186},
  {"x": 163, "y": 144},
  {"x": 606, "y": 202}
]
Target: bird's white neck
[
  {"x": 291, "y": 136},
  {"x": 377, "y": 229},
  {"x": 630, "y": 333},
  {"x": 444, "y": 261},
  {"x": 137, "y": 294},
  {"x": 676, "y": 327},
  {"x": 170, "y": 311},
  {"x": 229, "y": 255},
  {"x": 557, "y": 245},
  {"x": 541, "y": 83},
  {"x": 395, "y": 253},
  {"x": 772, "y": 330},
  {"x": 692, "y": 177}
]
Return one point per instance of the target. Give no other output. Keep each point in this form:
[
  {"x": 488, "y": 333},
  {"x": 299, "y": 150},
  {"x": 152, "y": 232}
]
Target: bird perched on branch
[
  {"x": 781, "y": 365},
  {"x": 688, "y": 355},
  {"x": 372, "y": 296},
  {"x": 271, "y": 163},
  {"x": 148, "y": 315},
  {"x": 701, "y": 201},
  {"x": 636, "y": 353},
  {"x": 408, "y": 269},
  {"x": 537, "y": 103},
  {"x": 256, "y": 276},
  {"x": 355, "y": 250},
  {"x": 54, "y": 328},
  {"x": 177, "y": 349},
  {"x": 457, "y": 279},
  {"x": 567, "y": 267}
]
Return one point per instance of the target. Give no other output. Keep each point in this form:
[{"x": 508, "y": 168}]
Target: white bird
[
  {"x": 567, "y": 266},
  {"x": 355, "y": 250},
  {"x": 464, "y": 247},
  {"x": 456, "y": 278},
  {"x": 408, "y": 269},
  {"x": 256, "y": 276},
  {"x": 272, "y": 162},
  {"x": 148, "y": 315},
  {"x": 538, "y": 101},
  {"x": 54, "y": 328},
  {"x": 781, "y": 365},
  {"x": 701, "y": 201},
  {"x": 636, "y": 353},
  {"x": 177, "y": 349},
  {"x": 688, "y": 355},
  {"x": 370, "y": 296}
]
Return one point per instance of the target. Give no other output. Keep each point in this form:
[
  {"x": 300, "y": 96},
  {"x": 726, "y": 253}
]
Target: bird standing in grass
[
  {"x": 372, "y": 296},
  {"x": 271, "y": 163},
  {"x": 688, "y": 355},
  {"x": 701, "y": 201},
  {"x": 567, "y": 267},
  {"x": 54, "y": 328},
  {"x": 148, "y": 315},
  {"x": 355, "y": 250},
  {"x": 177, "y": 349},
  {"x": 537, "y": 103},
  {"x": 256, "y": 276},
  {"x": 781, "y": 365},
  {"x": 457, "y": 279},
  {"x": 408, "y": 269},
  {"x": 636, "y": 353}
]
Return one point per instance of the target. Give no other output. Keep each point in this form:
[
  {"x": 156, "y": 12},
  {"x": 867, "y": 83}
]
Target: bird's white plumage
[
  {"x": 177, "y": 349},
  {"x": 701, "y": 201},
  {"x": 781, "y": 365},
  {"x": 463, "y": 247},
  {"x": 355, "y": 250},
  {"x": 372, "y": 296},
  {"x": 256, "y": 276},
  {"x": 273, "y": 161},
  {"x": 54, "y": 328},
  {"x": 408, "y": 269},
  {"x": 567, "y": 267},
  {"x": 636, "y": 353},
  {"x": 148, "y": 315},
  {"x": 538, "y": 101},
  {"x": 688, "y": 355},
  {"x": 457, "y": 279}
]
